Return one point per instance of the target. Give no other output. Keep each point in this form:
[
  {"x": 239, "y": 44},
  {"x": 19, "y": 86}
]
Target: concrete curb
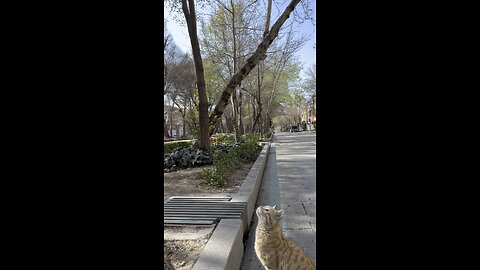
[
  {"x": 224, "y": 250},
  {"x": 248, "y": 191}
]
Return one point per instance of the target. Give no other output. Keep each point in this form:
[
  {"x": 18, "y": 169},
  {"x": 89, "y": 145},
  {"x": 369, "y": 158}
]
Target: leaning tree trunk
[
  {"x": 190, "y": 17},
  {"x": 249, "y": 65}
]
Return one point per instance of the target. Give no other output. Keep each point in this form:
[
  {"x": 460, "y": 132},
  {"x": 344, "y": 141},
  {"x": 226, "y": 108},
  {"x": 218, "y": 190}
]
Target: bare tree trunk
[
  {"x": 222, "y": 127},
  {"x": 267, "y": 23},
  {"x": 165, "y": 127},
  {"x": 228, "y": 124},
  {"x": 234, "y": 116},
  {"x": 171, "y": 122},
  {"x": 234, "y": 94},
  {"x": 258, "y": 116},
  {"x": 190, "y": 17},
  {"x": 240, "y": 103},
  {"x": 254, "y": 114},
  {"x": 247, "y": 126},
  {"x": 184, "y": 115},
  {"x": 265, "y": 32}
]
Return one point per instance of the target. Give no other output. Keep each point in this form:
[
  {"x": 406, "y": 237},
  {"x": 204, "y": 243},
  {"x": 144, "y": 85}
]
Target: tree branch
[{"x": 256, "y": 98}]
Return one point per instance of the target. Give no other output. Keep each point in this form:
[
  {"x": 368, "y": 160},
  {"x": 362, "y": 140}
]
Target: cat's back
[
  {"x": 294, "y": 258},
  {"x": 281, "y": 254}
]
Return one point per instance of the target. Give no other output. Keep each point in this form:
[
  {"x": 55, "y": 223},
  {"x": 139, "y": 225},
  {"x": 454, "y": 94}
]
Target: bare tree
[
  {"x": 227, "y": 39},
  {"x": 172, "y": 56},
  {"x": 183, "y": 85},
  {"x": 310, "y": 85},
  {"x": 249, "y": 65},
  {"x": 290, "y": 46}
]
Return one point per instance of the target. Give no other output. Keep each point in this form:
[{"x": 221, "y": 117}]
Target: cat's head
[{"x": 268, "y": 215}]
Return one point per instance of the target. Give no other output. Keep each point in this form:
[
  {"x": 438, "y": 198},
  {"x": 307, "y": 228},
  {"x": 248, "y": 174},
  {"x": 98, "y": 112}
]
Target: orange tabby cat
[{"x": 273, "y": 249}]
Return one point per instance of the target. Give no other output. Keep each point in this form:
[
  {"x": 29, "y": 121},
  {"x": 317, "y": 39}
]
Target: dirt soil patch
[
  {"x": 189, "y": 182},
  {"x": 182, "y": 254}
]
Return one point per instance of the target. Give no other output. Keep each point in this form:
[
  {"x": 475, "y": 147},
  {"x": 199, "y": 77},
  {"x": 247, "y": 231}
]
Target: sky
[{"x": 306, "y": 54}]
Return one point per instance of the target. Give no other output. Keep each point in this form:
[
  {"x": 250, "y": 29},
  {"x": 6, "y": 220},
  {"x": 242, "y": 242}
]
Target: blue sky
[{"x": 306, "y": 54}]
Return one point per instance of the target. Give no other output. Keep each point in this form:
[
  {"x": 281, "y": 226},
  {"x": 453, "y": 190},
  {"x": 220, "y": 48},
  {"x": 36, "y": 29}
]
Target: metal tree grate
[{"x": 200, "y": 210}]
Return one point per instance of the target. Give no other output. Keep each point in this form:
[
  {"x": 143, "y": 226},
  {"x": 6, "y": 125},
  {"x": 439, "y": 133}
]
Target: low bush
[
  {"x": 248, "y": 151},
  {"x": 228, "y": 159},
  {"x": 223, "y": 138},
  {"x": 186, "y": 157},
  {"x": 223, "y": 148},
  {"x": 251, "y": 137},
  {"x": 223, "y": 164}
]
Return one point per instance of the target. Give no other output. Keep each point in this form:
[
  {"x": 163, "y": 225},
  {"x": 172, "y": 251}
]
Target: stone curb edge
[{"x": 224, "y": 250}]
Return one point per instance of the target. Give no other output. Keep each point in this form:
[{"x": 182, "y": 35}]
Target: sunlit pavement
[{"x": 289, "y": 181}]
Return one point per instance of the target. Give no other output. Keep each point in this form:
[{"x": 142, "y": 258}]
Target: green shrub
[
  {"x": 251, "y": 137},
  {"x": 186, "y": 157},
  {"x": 223, "y": 165},
  {"x": 266, "y": 135},
  {"x": 228, "y": 159},
  {"x": 249, "y": 150},
  {"x": 212, "y": 178},
  {"x": 223, "y": 138},
  {"x": 223, "y": 148},
  {"x": 169, "y": 147}
]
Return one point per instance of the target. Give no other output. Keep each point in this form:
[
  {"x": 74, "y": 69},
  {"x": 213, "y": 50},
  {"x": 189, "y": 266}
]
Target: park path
[{"x": 289, "y": 181}]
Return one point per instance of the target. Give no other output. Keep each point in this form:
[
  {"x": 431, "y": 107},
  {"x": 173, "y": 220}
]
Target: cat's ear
[{"x": 279, "y": 213}]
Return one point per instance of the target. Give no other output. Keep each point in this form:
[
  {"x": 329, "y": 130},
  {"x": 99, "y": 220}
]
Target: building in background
[{"x": 309, "y": 115}]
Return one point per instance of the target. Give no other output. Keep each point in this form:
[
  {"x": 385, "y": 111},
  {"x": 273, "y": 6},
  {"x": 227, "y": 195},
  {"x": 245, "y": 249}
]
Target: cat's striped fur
[{"x": 274, "y": 251}]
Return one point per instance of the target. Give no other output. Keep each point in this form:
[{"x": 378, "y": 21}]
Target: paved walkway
[{"x": 289, "y": 181}]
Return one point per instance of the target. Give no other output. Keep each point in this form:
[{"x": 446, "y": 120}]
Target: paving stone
[{"x": 290, "y": 181}]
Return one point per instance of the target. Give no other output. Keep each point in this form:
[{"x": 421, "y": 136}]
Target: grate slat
[
  {"x": 172, "y": 217},
  {"x": 203, "y": 210},
  {"x": 188, "y": 222},
  {"x": 181, "y": 210}
]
